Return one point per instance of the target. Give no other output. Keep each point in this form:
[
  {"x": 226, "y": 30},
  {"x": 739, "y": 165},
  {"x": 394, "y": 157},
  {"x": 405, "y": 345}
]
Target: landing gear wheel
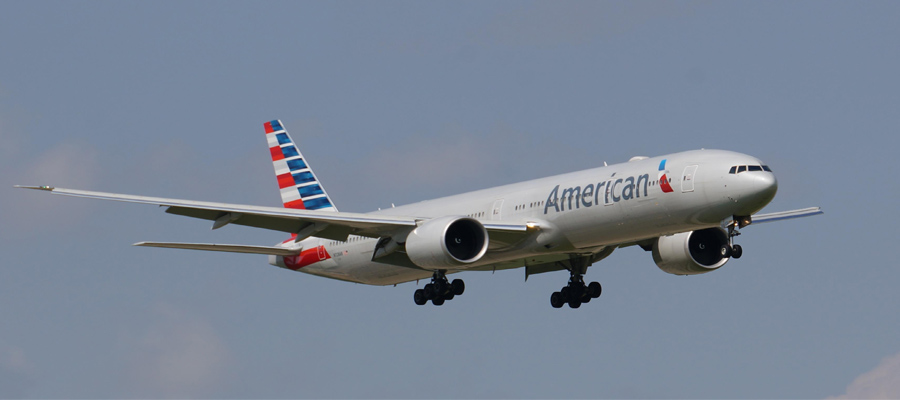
[
  {"x": 556, "y": 300},
  {"x": 419, "y": 297},
  {"x": 594, "y": 289},
  {"x": 457, "y": 287},
  {"x": 576, "y": 292},
  {"x": 439, "y": 290},
  {"x": 737, "y": 251},
  {"x": 725, "y": 251}
]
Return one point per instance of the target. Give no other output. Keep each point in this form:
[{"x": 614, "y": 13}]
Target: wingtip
[{"x": 46, "y": 188}]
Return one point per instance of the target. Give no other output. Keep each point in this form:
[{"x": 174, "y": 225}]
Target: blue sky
[{"x": 394, "y": 102}]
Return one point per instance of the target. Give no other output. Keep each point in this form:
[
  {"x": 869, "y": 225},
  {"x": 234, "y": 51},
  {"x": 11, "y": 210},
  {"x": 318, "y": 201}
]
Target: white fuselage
[{"x": 576, "y": 213}]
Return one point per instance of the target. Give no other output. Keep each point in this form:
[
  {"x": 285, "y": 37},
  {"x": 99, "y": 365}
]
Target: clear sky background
[{"x": 395, "y": 102}]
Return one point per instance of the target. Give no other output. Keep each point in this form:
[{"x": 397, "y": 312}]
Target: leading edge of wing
[
  {"x": 274, "y": 215},
  {"x": 783, "y": 215},
  {"x": 280, "y": 219}
]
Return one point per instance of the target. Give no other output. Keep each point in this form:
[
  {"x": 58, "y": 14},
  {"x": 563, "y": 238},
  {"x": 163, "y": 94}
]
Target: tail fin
[{"x": 300, "y": 188}]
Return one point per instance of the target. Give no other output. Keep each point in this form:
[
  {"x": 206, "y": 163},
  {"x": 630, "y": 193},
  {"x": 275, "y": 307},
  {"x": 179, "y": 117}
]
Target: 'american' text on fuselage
[{"x": 614, "y": 190}]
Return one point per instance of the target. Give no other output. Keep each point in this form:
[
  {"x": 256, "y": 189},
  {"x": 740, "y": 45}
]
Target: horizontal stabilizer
[
  {"x": 230, "y": 248},
  {"x": 778, "y": 216}
]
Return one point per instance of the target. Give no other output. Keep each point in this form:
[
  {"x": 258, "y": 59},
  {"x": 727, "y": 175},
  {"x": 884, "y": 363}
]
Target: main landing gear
[
  {"x": 576, "y": 292},
  {"x": 439, "y": 290}
]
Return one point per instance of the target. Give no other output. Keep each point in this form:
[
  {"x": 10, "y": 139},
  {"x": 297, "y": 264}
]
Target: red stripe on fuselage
[{"x": 306, "y": 257}]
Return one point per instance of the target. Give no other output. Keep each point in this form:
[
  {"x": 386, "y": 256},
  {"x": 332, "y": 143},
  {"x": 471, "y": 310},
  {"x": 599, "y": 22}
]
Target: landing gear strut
[
  {"x": 439, "y": 290},
  {"x": 736, "y": 250},
  {"x": 576, "y": 292}
]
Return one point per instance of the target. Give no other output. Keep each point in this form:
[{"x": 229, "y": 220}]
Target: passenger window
[{"x": 742, "y": 168}]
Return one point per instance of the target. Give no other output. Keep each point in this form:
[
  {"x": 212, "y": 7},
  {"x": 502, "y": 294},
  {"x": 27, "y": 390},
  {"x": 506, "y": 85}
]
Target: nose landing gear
[{"x": 738, "y": 222}]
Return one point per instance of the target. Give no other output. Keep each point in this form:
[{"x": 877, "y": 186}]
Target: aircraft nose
[
  {"x": 767, "y": 185},
  {"x": 761, "y": 188}
]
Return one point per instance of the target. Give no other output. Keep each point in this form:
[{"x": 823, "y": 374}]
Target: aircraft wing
[
  {"x": 330, "y": 225},
  {"x": 778, "y": 216}
]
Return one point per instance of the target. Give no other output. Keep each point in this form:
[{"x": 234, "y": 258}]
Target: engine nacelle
[
  {"x": 692, "y": 253},
  {"x": 447, "y": 243}
]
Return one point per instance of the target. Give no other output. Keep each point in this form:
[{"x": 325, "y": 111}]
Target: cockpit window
[{"x": 749, "y": 168}]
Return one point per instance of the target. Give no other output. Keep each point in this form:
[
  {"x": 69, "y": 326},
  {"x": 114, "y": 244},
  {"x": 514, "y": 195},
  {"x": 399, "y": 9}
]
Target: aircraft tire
[
  {"x": 725, "y": 250},
  {"x": 577, "y": 293},
  {"x": 594, "y": 289},
  {"x": 419, "y": 297},
  {"x": 429, "y": 291},
  {"x": 556, "y": 300},
  {"x": 439, "y": 288},
  {"x": 438, "y": 301},
  {"x": 737, "y": 251},
  {"x": 574, "y": 303},
  {"x": 449, "y": 296},
  {"x": 457, "y": 287}
]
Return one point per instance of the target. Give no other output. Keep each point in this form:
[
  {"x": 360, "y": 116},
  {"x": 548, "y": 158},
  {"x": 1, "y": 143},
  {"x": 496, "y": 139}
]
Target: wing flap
[{"x": 229, "y": 248}]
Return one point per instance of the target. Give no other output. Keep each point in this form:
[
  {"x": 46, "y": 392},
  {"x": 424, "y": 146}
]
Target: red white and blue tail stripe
[{"x": 300, "y": 188}]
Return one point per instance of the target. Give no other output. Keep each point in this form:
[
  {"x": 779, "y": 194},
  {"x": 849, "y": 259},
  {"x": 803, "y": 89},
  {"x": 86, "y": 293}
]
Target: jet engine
[
  {"x": 447, "y": 243},
  {"x": 692, "y": 253}
]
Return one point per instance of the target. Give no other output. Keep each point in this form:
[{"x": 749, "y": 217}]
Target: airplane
[{"x": 684, "y": 208}]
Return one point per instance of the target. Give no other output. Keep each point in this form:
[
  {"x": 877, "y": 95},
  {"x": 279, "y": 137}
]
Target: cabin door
[
  {"x": 687, "y": 179},
  {"x": 495, "y": 211}
]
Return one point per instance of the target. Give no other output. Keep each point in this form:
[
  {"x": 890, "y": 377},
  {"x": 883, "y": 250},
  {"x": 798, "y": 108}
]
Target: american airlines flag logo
[
  {"x": 299, "y": 187},
  {"x": 663, "y": 178}
]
